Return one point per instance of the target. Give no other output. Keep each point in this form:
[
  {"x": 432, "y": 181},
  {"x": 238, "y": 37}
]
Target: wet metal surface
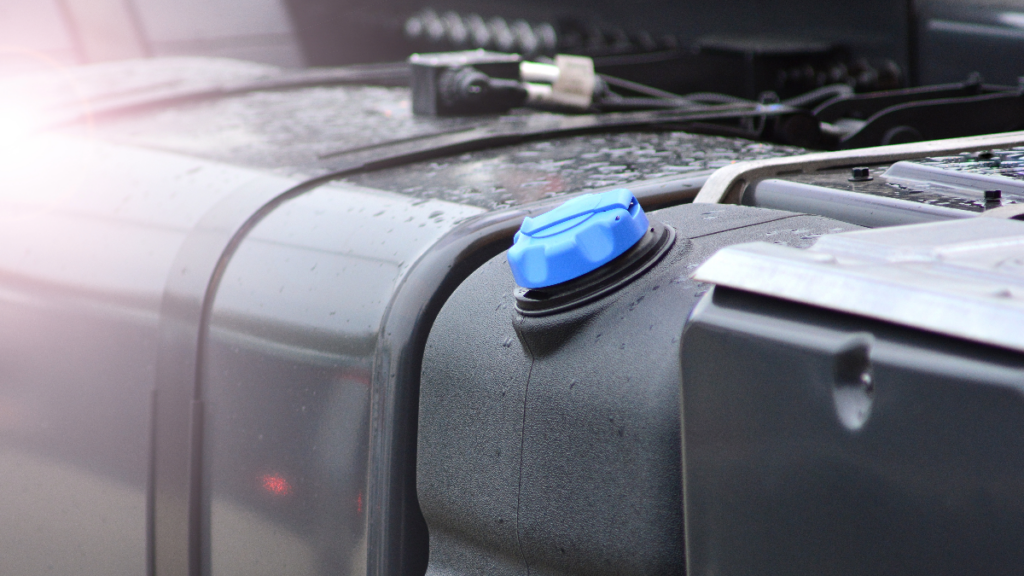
[
  {"x": 880, "y": 186},
  {"x": 311, "y": 131},
  {"x": 1003, "y": 163},
  {"x": 87, "y": 89},
  {"x": 533, "y": 171},
  {"x": 290, "y": 132}
]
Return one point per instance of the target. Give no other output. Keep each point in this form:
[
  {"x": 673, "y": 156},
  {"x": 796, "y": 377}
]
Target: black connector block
[{"x": 465, "y": 83}]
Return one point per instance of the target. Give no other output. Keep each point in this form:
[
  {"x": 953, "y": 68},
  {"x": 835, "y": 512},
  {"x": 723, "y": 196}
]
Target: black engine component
[
  {"x": 550, "y": 440},
  {"x": 924, "y": 113},
  {"x": 777, "y": 483},
  {"x": 747, "y": 68},
  {"x": 862, "y": 415},
  {"x": 465, "y": 83},
  {"x": 335, "y": 33}
]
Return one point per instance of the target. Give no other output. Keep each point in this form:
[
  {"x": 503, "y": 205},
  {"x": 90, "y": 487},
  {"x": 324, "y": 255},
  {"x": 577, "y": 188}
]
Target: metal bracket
[{"x": 727, "y": 184}]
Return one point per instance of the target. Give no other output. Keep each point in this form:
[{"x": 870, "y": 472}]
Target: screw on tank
[{"x": 585, "y": 248}]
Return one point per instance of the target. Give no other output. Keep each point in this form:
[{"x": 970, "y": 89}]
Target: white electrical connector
[
  {"x": 538, "y": 72},
  {"x": 568, "y": 83},
  {"x": 576, "y": 80},
  {"x": 538, "y": 93}
]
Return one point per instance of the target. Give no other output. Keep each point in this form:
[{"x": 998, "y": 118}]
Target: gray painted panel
[
  {"x": 287, "y": 378},
  {"x": 88, "y": 231}
]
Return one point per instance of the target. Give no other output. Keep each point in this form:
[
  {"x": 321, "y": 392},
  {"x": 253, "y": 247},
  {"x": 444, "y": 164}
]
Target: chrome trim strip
[
  {"x": 961, "y": 278},
  {"x": 727, "y": 184}
]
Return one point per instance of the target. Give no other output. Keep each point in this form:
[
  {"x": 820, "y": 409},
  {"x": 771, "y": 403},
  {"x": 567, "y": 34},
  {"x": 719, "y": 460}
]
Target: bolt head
[{"x": 860, "y": 174}]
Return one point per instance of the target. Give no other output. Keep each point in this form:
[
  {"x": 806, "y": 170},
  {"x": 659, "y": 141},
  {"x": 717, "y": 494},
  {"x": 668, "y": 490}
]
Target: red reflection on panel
[
  {"x": 276, "y": 485},
  {"x": 359, "y": 503}
]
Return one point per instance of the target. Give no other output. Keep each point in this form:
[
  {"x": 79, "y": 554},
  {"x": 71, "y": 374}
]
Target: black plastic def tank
[{"x": 549, "y": 432}]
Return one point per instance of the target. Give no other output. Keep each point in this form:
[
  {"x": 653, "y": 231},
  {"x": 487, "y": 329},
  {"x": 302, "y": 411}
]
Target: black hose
[
  {"x": 615, "y": 103},
  {"x": 716, "y": 98},
  {"x": 639, "y": 88},
  {"x": 823, "y": 93}
]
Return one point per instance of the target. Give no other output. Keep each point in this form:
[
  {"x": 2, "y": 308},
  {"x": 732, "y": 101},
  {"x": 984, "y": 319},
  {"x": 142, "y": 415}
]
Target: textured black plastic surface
[
  {"x": 798, "y": 463},
  {"x": 551, "y": 445}
]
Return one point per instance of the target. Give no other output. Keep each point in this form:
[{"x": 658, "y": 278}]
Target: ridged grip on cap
[{"x": 576, "y": 238}]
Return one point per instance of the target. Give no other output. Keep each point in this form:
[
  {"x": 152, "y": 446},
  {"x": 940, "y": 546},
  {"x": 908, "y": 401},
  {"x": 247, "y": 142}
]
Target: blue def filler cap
[{"x": 575, "y": 238}]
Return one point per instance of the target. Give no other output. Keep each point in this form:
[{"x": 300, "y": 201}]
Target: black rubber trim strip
[
  {"x": 184, "y": 311},
  {"x": 516, "y": 129},
  {"x": 175, "y": 529}
]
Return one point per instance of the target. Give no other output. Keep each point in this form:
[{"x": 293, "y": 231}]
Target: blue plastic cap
[{"x": 575, "y": 238}]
